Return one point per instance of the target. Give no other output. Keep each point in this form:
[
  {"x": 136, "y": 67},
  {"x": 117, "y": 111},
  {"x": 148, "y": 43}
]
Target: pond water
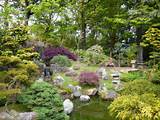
[
  {"x": 96, "y": 109},
  {"x": 17, "y": 107}
]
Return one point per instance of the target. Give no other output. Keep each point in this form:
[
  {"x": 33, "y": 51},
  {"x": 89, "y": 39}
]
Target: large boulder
[
  {"x": 101, "y": 72},
  {"x": 14, "y": 115},
  {"x": 68, "y": 106},
  {"x": 27, "y": 116},
  {"x": 108, "y": 95},
  {"x": 6, "y": 116},
  {"x": 84, "y": 98},
  {"x": 91, "y": 91}
]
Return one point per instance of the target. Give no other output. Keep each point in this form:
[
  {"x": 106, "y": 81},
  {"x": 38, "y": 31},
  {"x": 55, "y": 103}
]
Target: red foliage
[
  {"x": 90, "y": 78},
  {"x": 51, "y": 52}
]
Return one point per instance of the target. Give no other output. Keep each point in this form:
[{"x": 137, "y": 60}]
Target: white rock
[
  {"x": 84, "y": 98},
  {"x": 59, "y": 80},
  {"x": 70, "y": 86},
  {"x": 68, "y": 106},
  {"x": 76, "y": 90},
  {"x": 27, "y": 116}
]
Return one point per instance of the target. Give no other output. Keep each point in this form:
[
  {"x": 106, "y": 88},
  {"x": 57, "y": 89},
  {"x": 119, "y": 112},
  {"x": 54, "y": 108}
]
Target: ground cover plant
[{"x": 42, "y": 98}]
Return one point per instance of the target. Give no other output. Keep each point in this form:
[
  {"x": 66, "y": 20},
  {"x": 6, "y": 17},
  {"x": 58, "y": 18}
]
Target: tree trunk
[
  {"x": 139, "y": 33},
  {"x": 83, "y": 26},
  {"x": 140, "y": 55},
  {"x": 112, "y": 42},
  {"x": 27, "y": 15},
  {"x": 6, "y": 23}
]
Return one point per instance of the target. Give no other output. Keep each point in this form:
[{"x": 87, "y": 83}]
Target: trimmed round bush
[
  {"x": 61, "y": 60},
  {"x": 44, "y": 99},
  {"x": 89, "y": 78}
]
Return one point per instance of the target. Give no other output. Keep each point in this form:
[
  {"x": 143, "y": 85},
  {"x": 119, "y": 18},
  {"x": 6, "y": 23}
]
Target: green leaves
[
  {"x": 152, "y": 38},
  {"x": 14, "y": 38},
  {"x": 152, "y": 41},
  {"x": 140, "y": 87}
]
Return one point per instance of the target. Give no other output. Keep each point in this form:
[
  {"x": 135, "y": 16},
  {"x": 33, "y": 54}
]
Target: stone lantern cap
[{"x": 133, "y": 61}]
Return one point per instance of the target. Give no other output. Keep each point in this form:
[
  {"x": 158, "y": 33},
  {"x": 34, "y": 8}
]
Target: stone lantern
[
  {"x": 116, "y": 78},
  {"x": 133, "y": 63}
]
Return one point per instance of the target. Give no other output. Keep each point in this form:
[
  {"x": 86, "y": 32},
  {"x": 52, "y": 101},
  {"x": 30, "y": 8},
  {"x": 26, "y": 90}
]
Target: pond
[{"x": 96, "y": 109}]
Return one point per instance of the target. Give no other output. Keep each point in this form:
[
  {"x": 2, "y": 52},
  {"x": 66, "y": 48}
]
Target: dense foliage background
[{"x": 37, "y": 33}]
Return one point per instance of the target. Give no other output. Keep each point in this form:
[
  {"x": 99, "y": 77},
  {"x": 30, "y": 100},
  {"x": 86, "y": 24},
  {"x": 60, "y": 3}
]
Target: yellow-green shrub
[
  {"x": 27, "y": 54},
  {"x": 9, "y": 61},
  {"x": 136, "y": 107}
]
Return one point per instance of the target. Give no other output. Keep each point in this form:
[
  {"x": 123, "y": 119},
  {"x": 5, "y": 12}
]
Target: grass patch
[
  {"x": 69, "y": 80},
  {"x": 126, "y": 77},
  {"x": 85, "y": 67},
  {"x": 108, "y": 84}
]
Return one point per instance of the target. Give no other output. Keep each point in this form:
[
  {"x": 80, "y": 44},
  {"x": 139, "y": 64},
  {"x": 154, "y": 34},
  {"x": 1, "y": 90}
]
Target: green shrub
[
  {"x": 62, "y": 61},
  {"x": 3, "y": 75},
  {"x": 23, "y": 75},
  {"x": 30, "y": 67},
  {"x": 156, "y": 78},
  {"x": 136, "y": 107},
  {"x": 140, "y": 87},
  {"x": 43, "y": 98},
  {"x": 126, "y": 77},
  {"x": 91, "y": 57},
  {"x": 17, "y": 76},
  {"x": 96, "y": 49},
  {"x": 14, "y": 38},
  {"x": 125, "y": 55},
  {"x": 7, "y": 94},
  {"x": 6, "y": 53},
  {"x": 95, "y": 58}
]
